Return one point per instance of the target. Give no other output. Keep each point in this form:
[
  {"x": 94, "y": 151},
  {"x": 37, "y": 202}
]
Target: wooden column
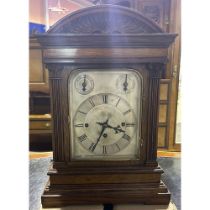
[
  {"x": 155, "y": 71},
  {"x": 55, "y": 83}
]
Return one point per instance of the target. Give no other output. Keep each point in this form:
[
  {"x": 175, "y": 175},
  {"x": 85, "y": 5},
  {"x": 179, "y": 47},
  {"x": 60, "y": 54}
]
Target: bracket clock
[{"x": 104, "y": 66}]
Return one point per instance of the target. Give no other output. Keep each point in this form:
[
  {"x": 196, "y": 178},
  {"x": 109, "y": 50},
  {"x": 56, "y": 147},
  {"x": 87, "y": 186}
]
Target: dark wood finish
[
  {"x": 131, "y": 181},
  {"x": 147, "y": 40},
  {"x": 155, "y": 75},
  {"x": 118, "y": 21},
  {"x": 57, "y": 195}
]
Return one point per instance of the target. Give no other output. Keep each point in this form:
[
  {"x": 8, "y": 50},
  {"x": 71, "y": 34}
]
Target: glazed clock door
[{"x": 105, "y": 114}]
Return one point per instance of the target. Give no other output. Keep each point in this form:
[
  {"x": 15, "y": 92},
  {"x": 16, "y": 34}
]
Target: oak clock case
[
  {"x": 104, "y": 96},
  {"x": 105, "y": 114}
]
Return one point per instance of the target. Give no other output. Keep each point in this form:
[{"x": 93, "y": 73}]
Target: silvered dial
[
  {"x": 104, "y": 124},
  {"x": 104, "y": 107}
]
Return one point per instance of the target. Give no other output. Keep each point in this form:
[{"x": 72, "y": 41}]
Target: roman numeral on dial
[
  {"x": 126, "y": 137},
  {"x": 105, "y": 99},
  {"x": 91, "y": 102},
  {"x": 82, "y": 137},
  {"x": 79, "y": 125},
  {"x": 92, "y": 147},
  {"x": 117, "y": 145},
  {"x": 82, "y": 112},
  {"x": 130, "y": 124},
  {"x": 104, "y": 150}
]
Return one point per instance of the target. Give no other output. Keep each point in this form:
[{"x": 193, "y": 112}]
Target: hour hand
[
  {"x": 116, "y": 129},
  {"x": 103, "y": 123},
  {"x": 99, "y": 123}
]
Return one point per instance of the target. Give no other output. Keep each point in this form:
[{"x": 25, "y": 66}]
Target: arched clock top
[
  {"x": 100, "y": 32},
  {"x": 105, "y": 19}
]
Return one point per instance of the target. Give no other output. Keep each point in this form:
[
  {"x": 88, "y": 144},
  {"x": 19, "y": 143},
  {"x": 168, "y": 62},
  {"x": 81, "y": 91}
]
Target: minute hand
[{"x": 103, "y": 128}]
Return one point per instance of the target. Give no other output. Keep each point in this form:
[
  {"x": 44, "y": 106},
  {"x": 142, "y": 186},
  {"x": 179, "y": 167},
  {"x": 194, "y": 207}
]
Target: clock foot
[{"x": 108, "y": 206}]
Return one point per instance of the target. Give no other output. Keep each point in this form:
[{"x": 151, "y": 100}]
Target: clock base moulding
[{"x": 139, "y": 186}]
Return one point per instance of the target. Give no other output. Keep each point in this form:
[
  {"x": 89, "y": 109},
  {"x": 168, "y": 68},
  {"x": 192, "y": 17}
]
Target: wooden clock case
[{"x": 103, "y": 37}]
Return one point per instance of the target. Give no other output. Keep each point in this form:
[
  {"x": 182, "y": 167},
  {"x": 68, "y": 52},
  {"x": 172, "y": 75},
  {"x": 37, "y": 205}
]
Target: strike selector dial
[
  {"x": 84, "y": 84},
  {"x": 125, "y": 83}
]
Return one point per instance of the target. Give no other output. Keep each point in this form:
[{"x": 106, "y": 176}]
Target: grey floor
[
  {"x": 172, "y": 178},
  {"x": 38, "y": 178}
]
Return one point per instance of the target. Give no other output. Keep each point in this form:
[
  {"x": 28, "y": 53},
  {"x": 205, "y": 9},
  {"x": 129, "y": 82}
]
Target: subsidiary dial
[
  {"x": 84, "y": 84},
  {"x": 125, "y": 83}
]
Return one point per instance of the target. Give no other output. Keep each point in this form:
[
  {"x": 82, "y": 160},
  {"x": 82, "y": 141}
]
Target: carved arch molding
[{"x": 105, "y": 19}]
